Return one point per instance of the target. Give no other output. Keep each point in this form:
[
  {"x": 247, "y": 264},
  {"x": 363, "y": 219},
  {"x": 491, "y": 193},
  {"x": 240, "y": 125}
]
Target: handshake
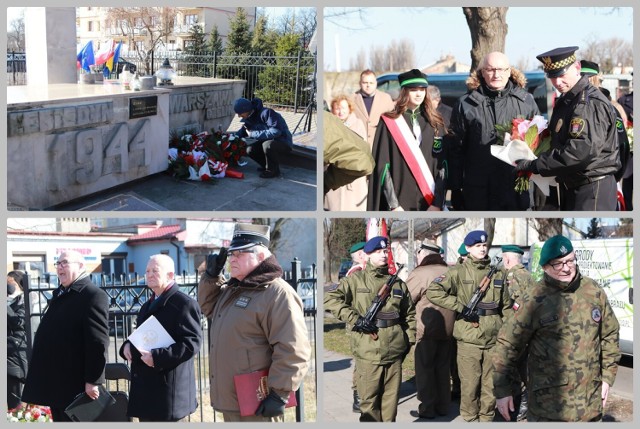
[{"x": 216, "y": 261}]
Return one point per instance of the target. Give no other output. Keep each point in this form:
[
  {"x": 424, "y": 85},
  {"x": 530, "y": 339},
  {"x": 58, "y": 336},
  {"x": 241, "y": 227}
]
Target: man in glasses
[
  {"x": 572, "y": 337},
  {"x": 70, "y": 346},
  {"x": 497, "y": 95},
  {"x": 257, "y": 323}
]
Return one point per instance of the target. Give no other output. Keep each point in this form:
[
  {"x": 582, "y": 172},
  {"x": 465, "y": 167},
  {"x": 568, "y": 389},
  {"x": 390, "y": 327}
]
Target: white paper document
[{"x": 150, "y": 335}]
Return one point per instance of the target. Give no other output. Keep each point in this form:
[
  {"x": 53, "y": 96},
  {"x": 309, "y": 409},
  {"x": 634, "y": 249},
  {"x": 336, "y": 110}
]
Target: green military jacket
[
  {"x": 518, "y": 279},
  {"x": 572, "y": 335},
  {"x": 454, "y": 289},
  {"x": 353, "y": 296}
]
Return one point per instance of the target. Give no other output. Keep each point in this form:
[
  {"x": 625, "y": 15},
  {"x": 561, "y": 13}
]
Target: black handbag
[{"x": 85, "y": 409}]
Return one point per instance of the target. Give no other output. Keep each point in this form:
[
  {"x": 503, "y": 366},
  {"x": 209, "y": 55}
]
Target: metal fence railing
[
  {"x": 128, "y": 293},
  {"x": 282, "y": 82}
]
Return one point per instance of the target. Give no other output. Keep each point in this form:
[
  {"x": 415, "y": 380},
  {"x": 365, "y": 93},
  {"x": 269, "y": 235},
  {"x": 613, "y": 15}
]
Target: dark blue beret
[
  {"x": 375, "y": 243},
  {"x": 475, "y": 237}
]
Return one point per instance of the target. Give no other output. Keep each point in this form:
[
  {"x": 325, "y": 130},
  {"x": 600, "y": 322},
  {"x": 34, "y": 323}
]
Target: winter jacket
[
  {"x": 473, "y": 123},
  {"x": 16, "y": 338},
  {"x": 256, "y": 324},
  {"x": 265, "y": 124}
]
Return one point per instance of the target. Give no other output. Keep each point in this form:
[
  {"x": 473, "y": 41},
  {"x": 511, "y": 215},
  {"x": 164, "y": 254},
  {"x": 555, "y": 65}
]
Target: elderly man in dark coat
[
  {"x": 163, "y": 386},
  {"x": 70, "y": 346}
]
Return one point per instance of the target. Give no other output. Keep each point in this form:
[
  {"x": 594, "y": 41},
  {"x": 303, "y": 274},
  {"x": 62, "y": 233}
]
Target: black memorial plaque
[{"x": 139, "y": 107}]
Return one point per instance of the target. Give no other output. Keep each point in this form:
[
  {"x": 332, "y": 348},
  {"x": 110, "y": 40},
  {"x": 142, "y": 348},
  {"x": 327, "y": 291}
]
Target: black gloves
[
  {"x": 215, "y": 262},
  {"x": 364, "y": 327},
  {"x": 271, "y": 406},
  {"x": 470, "y": 315},
  {"x": 527, "y": 165},
  {"x": 457, "y": 200}
]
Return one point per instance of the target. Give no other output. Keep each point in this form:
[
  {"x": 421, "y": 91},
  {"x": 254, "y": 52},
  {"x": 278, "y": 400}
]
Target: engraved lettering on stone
[{"x": 58, "y": 118}]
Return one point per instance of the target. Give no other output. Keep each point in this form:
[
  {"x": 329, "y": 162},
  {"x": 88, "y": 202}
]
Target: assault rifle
[
  {"x": 367, "y": 323},
  {"x": 470, "y": 308}
]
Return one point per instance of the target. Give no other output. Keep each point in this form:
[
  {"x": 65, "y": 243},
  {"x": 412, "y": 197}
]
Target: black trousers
[
  {"x": 58, "y": 415},
  {"x": 600, "y": 195},
  {"x": 266, "y": 153}
]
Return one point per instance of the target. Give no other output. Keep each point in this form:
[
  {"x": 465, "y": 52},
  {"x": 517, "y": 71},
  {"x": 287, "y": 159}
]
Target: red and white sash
[{"x": 410, "y": 150}]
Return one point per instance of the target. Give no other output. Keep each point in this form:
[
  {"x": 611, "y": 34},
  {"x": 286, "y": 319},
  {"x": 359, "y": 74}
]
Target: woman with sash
[{"x": 408, "y": 150}]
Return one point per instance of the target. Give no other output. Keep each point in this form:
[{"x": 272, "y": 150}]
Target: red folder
[{"x": 252, "y": 388}]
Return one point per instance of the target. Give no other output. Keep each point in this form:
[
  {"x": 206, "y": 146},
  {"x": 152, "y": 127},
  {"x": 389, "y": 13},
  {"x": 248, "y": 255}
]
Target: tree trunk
[
  {"x": 547, "y": 228},
  {"x": 488, "y": 28}
]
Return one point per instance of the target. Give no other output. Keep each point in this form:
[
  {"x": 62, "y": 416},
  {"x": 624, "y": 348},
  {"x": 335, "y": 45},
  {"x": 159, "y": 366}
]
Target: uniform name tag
[
  {"x": 397, "y": 293},
  {"x": 497, "y": 283},
  {"x": 548, "y": 320},
  {"x": 242, "y": 302}
]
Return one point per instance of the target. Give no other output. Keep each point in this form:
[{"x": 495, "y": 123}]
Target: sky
[{"x": 439, "y": 31}]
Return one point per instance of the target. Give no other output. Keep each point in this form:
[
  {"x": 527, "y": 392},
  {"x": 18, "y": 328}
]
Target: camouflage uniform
[
  {"x": 379, "y": 363},
  {"x": 518, "y": 279},
  {"x": 453, "y": 290},
  {"x": 572, "y": 335}
]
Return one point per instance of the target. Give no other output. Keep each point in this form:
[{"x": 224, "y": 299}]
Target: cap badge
[
  {"x": 483, "y": 238},
  {"x": 547, "y": 61},
  {"x": 563, "y": 249},
  {"x": 382, "y": 243}
]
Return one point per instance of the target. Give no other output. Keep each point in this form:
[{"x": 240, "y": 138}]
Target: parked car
[
  {"x": 344, "y": 268},
  {"x": 453, "y": 85}
]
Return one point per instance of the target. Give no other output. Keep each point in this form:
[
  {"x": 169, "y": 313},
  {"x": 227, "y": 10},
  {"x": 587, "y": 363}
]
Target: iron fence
[
  {"x": 128, "y": 293},
  {"x": 282, "y": 82}
]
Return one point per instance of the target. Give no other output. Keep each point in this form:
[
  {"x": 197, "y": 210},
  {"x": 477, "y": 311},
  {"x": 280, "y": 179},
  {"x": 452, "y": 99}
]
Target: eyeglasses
[
  {"x": 237, "y": 253},
  {"x": 64, "y": 263},
  {"x": 497, "y": 70},
  {"x": 559, "y": 265}
]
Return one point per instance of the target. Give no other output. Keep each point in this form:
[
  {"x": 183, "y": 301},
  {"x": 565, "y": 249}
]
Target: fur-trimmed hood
[{"x": 517, "y": 77}]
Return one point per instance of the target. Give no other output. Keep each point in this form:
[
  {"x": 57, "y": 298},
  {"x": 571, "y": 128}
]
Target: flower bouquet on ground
[
  {"x": 524, "y": 139},
  {"x": 202, "y": 156},
  {"x": 29, "y": 413}
]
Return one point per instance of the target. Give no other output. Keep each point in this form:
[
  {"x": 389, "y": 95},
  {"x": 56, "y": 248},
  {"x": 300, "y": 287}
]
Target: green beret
[
  {"x": 512, "y": 248},
  {"x": 462, "y": 250},
  {"x": 555, "y": 247},
  {"x": 358, "y": 246}
]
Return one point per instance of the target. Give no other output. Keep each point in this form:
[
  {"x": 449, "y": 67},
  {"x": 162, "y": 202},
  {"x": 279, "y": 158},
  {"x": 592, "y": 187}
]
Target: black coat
[
  {"x": 16, "y": 339},
  {"x": 488, "y": 183},
  {"x": 391, "y": 163},
  {"x": 168, "y": 390},
  {"x": 70, "y": 346}
]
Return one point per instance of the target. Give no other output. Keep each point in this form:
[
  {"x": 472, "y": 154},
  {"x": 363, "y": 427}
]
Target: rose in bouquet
[
  {"x": 232, "y": 147},
  {"x": 534, "y": 133},
  {"x": 29, "y": 413},
  {"x": 196, "y": 157}
]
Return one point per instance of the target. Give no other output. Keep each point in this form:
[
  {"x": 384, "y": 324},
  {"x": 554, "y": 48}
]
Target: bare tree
[
  {"x": 547, "y": 227},
  {"x": 405, "y": 55},
  {"x": 378, "y": 59},
  {"x": 490, "y": 229},
  {"x": 360, "y": 61},
  {"x": 488, "y": 28},
  {"x": 145, "y": 28},
  {"x": 608, "y": 53},
  {"x": 15, "y": 35}
]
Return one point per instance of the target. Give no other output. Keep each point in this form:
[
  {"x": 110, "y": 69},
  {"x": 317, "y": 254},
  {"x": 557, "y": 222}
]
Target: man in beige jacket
[
  {"x": 369, "y": 104},
  {"x": 257, "y": 323}
]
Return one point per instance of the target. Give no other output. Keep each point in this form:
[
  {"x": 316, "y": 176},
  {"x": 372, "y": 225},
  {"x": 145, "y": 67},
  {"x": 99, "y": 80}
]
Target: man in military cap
[
  {"x": 476, "y": 329},
  {"x": 434, "y": 330},
  {"x": 571, "y": 333},
  {"x": 379, "y": 360},
  {"x": 257, "y": 323},
  {"x": 584, "y": 153}
]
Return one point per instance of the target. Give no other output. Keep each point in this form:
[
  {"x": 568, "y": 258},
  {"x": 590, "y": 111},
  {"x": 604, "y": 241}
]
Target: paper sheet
[{"x": 150, "y": 335}]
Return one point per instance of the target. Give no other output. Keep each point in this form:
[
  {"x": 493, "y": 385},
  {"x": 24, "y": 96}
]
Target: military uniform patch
[
  {"x": 439, "y": 279},
  {"x": 397, "y": 293},
  {"x": 596, "y": 315},
  {"x": 242, "y": 302},
  {"x": 515, "y": 306},
  {"x": 576, "y": 126}
]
